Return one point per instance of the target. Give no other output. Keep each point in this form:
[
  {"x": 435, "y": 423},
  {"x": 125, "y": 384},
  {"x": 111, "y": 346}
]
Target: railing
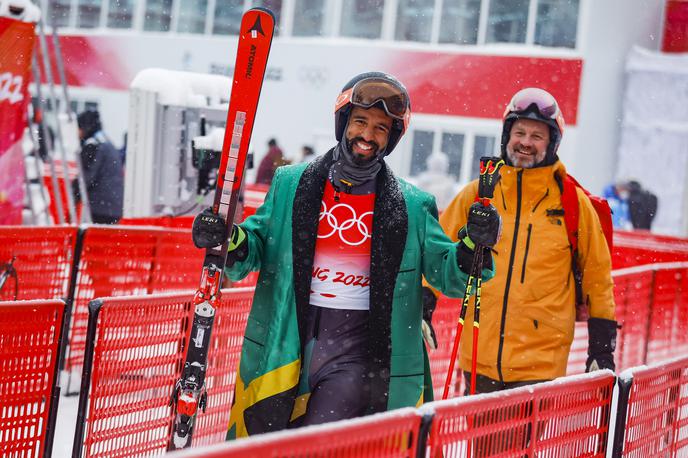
[
  {"x": 134, "y": 356},
  {"x": 119, "y": 261},
  {"x": 653, "y": 413},
  {"x": 562, "y": 418},
  {"x": 42, "y": 260},
  {"x": 30, "y": 333},
  {"x": 390, "y": 435}
]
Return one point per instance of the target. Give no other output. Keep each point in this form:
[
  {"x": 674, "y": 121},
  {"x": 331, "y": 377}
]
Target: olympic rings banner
[{"x": 16, "y": 49}]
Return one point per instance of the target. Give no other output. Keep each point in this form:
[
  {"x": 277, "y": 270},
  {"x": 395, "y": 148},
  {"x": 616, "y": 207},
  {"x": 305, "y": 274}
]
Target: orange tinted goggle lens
[{"x": 368, "y": 92}]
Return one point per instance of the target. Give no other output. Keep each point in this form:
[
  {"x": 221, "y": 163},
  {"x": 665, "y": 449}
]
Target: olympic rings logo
[{"x": 359, "y": 230}]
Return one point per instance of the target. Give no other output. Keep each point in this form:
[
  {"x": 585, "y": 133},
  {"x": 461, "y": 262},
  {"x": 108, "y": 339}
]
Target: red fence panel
[
  {"x": 568, "y": 417},
  {"x": 657, "y": 413},
  {"x": 389, "y": 435},
  {"x": 134, "y": 357},
  {"x": 120, "y": 261},
  {"x": 42, "y": 261},
  {"x": 29, "y": 350},
  {"x": 445, "y": 320}
]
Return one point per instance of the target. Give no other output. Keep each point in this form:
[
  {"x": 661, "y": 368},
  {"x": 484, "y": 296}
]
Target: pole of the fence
[
  {"x": 649, "y": 318},
  {"x": 71, "y": 299},
  {"x": 423, "y": 434},
  {"x": 623, "y": 399},
  {"x": 58, "y": 128},
  {"x": 94, "y": 308},
  {"x": 54, "y": 404},
  {"x": 57, "y": 192},
  {"x": 83, "y": 191}
]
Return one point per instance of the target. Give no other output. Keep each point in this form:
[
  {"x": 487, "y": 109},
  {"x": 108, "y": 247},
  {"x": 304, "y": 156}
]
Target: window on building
[
  {"x": 309, "y": 18},
  {"x": 557, "y": 22},
  {"x": 158, "y": 16},
  {"x": 452, "y": 146},
  {"x": 362, "y": 18},
  {"x": 507, "y": 21},
  {"x": 484, "y": 146},
  {"x": 422, "y": 148},
  {"x": 227, "y": 18},
  {"x": 460, "y": 21},
  {"x": 276, "y": 7},
  {"x": 120, "y": 14},
  {"x": 88, "y": 14},
  {"x": 192, "y": 14},
  {"x": 58, "y": 12},
  {"x": 414, "y": 20}
]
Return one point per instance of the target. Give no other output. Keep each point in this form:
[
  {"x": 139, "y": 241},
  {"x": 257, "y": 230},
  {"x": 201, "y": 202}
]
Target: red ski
[{"x": 257, "y": 27}]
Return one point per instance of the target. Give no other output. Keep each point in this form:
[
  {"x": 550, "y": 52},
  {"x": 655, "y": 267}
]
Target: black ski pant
[{"x": 337, "y": 368}]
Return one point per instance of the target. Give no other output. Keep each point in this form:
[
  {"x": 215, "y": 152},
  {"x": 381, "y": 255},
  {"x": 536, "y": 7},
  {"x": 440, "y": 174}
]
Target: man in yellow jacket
[{"x": 528, "y": 310}]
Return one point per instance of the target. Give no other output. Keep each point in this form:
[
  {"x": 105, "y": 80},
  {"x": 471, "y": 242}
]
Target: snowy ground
[{"x": 66, "y": 422}]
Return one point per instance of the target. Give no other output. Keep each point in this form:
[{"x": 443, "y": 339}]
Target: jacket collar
[{"x": 536, "y": 178}]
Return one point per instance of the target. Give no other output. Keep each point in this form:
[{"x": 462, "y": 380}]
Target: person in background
[
  {"x": 617, "y": 197},
  {"x": 102, "y": 170},
  {"x": 273, "y": 158},
  {"x": 436, "y": 179},
  {"x": 335, "y": 330},
  {"x": 307, "y": 154},
  {"x": 642, "y": 206}
]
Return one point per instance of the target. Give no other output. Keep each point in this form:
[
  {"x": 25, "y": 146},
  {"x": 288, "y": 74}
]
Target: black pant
[
  {"x": 102, "y": 219},
  {"x": 338, "y": 366},
  {"x": 485, "y": 384}
]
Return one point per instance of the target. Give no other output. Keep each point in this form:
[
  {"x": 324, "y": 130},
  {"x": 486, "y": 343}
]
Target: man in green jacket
[{"x": 335, "y": 329}]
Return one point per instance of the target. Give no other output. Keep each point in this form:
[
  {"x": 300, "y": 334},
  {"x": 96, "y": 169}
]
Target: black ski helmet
[
  {"x": 538, "y": 105},
  {"x": 374, "y": 89}
]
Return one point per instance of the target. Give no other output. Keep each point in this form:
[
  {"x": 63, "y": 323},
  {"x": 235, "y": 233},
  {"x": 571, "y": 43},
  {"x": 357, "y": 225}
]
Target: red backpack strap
[{"x": 569, "y": 202}]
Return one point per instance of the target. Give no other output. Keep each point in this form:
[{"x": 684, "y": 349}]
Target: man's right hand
[
  {"x": 209, "y": 230},
  {"x": 484, "y": 226}
]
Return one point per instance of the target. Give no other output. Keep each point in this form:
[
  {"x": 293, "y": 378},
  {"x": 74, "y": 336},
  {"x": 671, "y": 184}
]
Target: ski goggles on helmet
[
  {"x": 545, "y": 104},
  {"x": 371, "y": 91}
]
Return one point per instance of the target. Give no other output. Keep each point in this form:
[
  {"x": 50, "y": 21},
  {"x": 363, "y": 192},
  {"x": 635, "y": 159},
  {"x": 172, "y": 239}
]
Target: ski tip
[{"x": 264, "y": 10}]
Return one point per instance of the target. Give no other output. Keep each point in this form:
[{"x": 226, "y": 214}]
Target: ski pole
[
  {"x": 459, "y": 329},
  {"x": 489, "y": 176}
]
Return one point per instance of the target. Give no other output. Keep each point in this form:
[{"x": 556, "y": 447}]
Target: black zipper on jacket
[
  {"x": 510, "y": 270},
  {"x": 525, "y": 256}
]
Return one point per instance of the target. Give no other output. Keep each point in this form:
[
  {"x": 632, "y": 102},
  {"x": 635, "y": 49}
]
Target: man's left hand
[{"x": 601, "y": 344}]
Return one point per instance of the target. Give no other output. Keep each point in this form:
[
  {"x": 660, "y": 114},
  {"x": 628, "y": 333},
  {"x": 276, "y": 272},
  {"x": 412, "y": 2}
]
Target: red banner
[{"x": 16, "y": 49}]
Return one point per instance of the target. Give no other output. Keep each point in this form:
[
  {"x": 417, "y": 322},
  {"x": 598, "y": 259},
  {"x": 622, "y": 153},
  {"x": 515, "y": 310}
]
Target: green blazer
[{"x": 407, "y": 243}]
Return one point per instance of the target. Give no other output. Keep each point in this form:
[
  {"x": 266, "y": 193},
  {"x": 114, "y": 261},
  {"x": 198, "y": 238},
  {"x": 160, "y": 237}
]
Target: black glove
[
  {"x": 601, "y": 344},
  {"x": 209, "y": 230},
  {"x": 429, "y": 303},
  {"x": 464, "y": 254},
  {"x": 484, "y": 226}
]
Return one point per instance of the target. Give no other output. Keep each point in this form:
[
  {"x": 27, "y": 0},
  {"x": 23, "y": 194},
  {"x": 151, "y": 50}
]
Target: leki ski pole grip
[{"x": 489, "y": 176}]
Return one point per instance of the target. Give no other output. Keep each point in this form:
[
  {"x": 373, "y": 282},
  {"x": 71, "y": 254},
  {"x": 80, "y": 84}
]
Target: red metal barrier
[
  {"x": 134, "y": 357},
  {"x": 568, "y": 417},
  {"x": 29, "y": 350},
  {"x": 119, "y": 261},
  {"x": 180, "y": 222},
  {"x": 651, "y": 305},
  {"x": 43, "y": 261},
  {"x": 657, "y": 413},
  {"x": 390, "y": 435},
  {"x": 444, "y": 322}
]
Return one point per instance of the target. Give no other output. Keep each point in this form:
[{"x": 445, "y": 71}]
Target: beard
[
  {"x": 527, "y": 162},
  {"x": 359, "y": 159}
]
